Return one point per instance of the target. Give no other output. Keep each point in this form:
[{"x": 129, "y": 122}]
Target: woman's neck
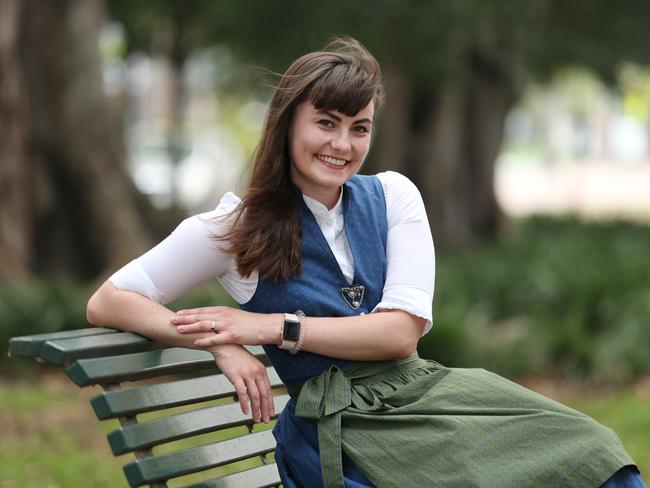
[{"x": 327, "y": 198}]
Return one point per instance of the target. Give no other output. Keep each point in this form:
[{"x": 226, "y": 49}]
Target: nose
[{"x": 341, "y": 142}]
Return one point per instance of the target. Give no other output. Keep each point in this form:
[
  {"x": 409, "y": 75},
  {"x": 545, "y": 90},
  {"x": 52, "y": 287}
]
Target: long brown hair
[{"x": 265, "y": 235}]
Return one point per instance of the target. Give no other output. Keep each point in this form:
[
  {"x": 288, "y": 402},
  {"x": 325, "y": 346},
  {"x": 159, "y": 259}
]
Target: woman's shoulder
[
  {"x": 394, "y": 181},
  {"x": 403, "y": 199},
  {"x": 228, "y": 203},
  {"x": 398, "y": 187},
  {"x": 219, "y": 218}
]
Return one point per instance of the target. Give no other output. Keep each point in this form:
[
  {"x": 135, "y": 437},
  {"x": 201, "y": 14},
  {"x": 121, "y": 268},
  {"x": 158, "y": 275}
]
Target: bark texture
[
  {"x": 15, "y": 196},
  {"x": 69, "y": 205}
]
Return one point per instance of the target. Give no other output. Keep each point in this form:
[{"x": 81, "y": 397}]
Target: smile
[{"x": 331, "y": 160}]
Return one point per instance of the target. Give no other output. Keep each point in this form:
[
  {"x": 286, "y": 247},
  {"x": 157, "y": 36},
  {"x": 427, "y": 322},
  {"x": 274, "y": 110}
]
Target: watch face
[{"x": 291, "y": 331}]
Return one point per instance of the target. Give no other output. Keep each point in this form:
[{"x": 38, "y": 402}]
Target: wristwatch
[{"x": 290, "y": 331}]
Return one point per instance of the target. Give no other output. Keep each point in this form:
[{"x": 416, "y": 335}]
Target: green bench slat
[
  {"x": 129, "y": 367},
  {"x": 64, "y": 351},
  {"x": 100, "y": 355},
  {"x": 260, "y": 477},
  {"x": 159, "y": 431},
  {"x": 180, "y": 463},
  {"x": 132, "y": 401},
  {"x": 30, "y": 346}
]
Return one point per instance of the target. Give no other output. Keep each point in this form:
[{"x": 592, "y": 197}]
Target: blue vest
[{"x": 318, "y": 290}]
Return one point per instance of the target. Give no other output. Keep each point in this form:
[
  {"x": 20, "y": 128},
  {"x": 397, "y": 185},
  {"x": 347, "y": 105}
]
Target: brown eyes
[{"x": 359, "y": 129}]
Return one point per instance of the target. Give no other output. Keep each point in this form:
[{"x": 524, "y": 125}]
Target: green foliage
[
  {"x": 429, "y": 40},
  {"x": 556, "y": 296},
  {"x": 42, "y": 307}
]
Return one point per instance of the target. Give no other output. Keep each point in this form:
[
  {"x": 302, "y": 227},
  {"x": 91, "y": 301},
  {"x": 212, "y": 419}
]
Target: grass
[
  {"x": 628, "y": 414},
  {"x": 51, "y": 439}
]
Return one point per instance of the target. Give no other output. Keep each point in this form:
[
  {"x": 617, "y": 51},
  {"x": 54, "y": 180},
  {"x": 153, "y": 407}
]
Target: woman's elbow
[
  {"x": 93, "y": 311},
  {"x": 409, "y": 338},
  {"x": 405, "y": 348},
  {"x": 97, "y": 305}
]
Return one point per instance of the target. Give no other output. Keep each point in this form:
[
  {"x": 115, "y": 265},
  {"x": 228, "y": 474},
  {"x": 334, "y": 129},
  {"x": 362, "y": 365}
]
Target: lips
[{"x": 332, "y": 161}]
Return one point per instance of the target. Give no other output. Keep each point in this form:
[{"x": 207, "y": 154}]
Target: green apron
[{"x": 415, "y": 423}]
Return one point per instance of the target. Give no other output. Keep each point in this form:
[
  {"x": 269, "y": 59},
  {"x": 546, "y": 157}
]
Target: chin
[{"x": 336, "y": 182}]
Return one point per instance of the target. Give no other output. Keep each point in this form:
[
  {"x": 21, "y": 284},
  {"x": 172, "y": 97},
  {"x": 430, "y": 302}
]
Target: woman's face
[{"x": 327, "y": 148}]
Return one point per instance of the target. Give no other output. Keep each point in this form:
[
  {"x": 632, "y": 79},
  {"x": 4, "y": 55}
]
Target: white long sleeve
[{"x": 190, "y": 255}]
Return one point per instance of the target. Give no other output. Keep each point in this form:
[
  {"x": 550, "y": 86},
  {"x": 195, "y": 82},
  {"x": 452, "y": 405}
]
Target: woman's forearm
[
  {"x": 129, "y": 311},
  {"x": 391, "y": 334},
  {"x": 132, "y": 312}
]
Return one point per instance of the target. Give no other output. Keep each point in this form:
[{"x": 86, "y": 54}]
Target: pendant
[{"x": 353, "y": 295}]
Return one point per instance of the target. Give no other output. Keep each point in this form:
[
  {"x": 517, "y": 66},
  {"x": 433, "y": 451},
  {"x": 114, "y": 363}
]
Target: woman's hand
[
  {"x": 230, "y": 326},
  {"x": 248, "y": 376}
]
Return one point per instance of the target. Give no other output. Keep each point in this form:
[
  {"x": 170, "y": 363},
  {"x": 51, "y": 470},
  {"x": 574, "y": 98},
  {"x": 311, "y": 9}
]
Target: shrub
[{"x": 555, "y": 296}]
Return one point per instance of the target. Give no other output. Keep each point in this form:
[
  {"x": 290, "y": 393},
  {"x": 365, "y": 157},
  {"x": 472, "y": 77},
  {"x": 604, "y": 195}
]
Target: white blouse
[{"x": 190, "y": 255}]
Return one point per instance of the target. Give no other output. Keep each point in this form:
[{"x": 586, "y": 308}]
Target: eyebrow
[{"x": 338, "y": 119}]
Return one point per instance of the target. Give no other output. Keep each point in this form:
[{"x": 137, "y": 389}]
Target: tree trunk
[
  {"x": 388, "y": 151},
  {"x": 15, "y": 194},
  {"x": 444, "y": 129},
  {"x": 446, "y": 138},
  {"x": 80, "y": 213},
  {"x": 175, "y": 132},
  {"x": 459, "y": 146}
]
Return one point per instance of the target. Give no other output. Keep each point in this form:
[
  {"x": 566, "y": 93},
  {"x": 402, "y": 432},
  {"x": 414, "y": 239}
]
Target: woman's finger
[
  {"x": 196, "y": 327},
  {"x": 202, "y": 326},
  {"x": 199, "y": 310},
  {"x": 213, "y": 340},
  {"x": 254, "y": 397},
  {"x": 183, "y": 319},
  {"x": 242, "y": 394},
  {"x": 266, "y": 396},
  {"x": 191, "y": 318}
]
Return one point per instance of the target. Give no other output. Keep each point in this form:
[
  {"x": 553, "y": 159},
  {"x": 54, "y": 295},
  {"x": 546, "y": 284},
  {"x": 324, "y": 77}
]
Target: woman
[{"x": 334, "y": 274}]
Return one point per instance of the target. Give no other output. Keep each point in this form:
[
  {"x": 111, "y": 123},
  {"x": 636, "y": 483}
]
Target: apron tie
[{"x": 324, "y": 398}]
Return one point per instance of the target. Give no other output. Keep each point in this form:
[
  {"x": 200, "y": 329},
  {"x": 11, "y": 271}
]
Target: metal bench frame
[{"x": 181, "y": 377}]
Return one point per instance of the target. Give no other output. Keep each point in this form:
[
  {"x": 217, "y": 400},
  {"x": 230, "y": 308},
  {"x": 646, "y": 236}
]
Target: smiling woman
[
  {"x": 334, "y": 274},
  {"x": 327, "y": 149}
]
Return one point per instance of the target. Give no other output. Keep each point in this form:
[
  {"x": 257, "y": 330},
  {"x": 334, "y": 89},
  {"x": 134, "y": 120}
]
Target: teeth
[{"x": 331, "y": 160}]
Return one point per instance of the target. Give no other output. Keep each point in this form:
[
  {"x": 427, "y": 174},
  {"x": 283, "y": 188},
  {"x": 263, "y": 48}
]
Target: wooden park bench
[{"x": 188, "y": 396}]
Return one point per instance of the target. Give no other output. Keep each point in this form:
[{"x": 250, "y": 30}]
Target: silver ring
[{"x": 213, "y": 326}]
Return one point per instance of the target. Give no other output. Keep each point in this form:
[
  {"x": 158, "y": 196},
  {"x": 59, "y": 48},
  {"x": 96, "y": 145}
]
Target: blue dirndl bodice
[{"x": 320, "y": 292}]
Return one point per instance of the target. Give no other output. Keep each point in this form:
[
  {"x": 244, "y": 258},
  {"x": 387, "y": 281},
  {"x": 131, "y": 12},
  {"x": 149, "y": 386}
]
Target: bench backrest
[{"x": 185, "y": 410}]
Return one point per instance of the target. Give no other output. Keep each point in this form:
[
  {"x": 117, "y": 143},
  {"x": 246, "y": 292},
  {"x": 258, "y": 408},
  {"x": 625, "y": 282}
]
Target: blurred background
[{"x": 524, "y": 123}]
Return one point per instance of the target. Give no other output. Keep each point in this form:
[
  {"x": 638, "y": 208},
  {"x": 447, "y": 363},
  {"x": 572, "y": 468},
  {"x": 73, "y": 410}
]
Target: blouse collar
[{"x": 320, "y": 210}]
